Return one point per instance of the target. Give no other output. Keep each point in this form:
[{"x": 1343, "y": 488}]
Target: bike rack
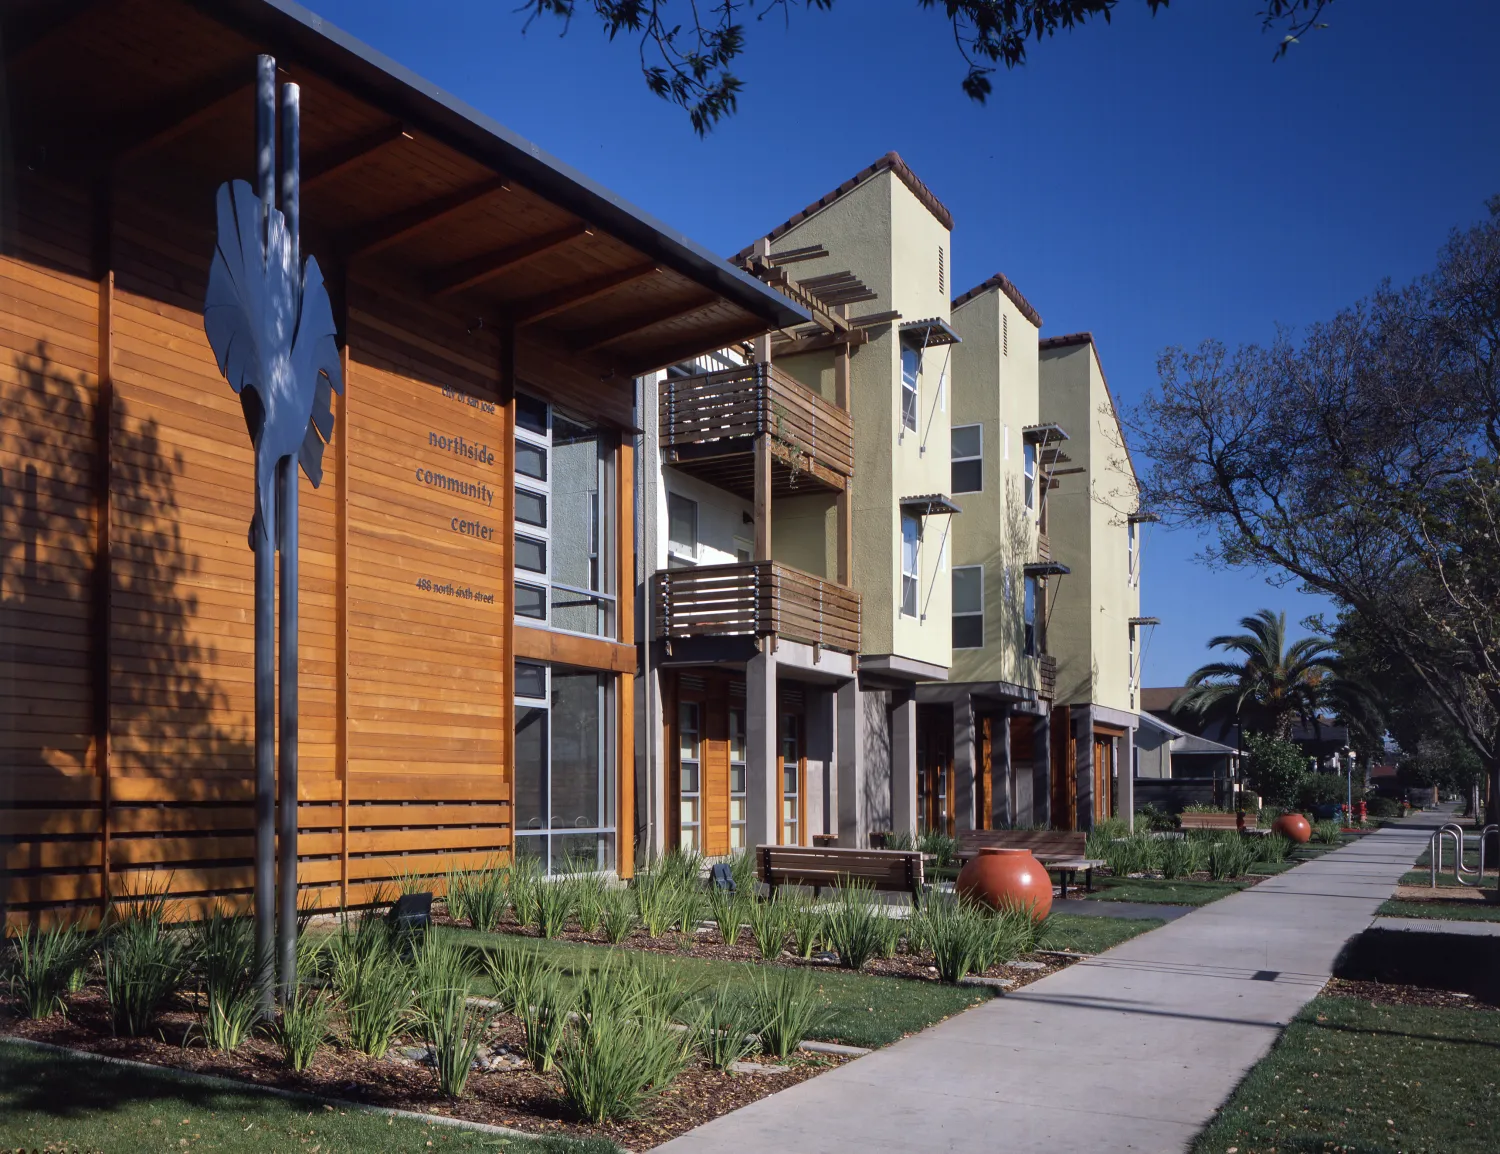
[{"x": 1459, "y": 869}]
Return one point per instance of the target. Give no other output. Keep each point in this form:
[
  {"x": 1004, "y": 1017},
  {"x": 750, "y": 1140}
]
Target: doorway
[{"x": 935, "y": 792}]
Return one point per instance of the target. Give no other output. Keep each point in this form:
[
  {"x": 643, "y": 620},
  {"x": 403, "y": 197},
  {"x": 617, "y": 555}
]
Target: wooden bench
[
  {"x": 1061, "y": 851},
  {"x": 888, "y": 870},
  {"x": 1208, "y": 821}
]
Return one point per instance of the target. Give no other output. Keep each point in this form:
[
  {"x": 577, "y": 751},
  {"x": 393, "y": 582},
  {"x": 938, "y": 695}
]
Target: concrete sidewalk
[{"x": 1132, "y": 1050}]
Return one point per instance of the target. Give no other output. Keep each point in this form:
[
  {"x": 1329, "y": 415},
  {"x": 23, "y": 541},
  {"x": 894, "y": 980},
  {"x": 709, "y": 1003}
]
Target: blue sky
[{"x": 1156, "y": 181}]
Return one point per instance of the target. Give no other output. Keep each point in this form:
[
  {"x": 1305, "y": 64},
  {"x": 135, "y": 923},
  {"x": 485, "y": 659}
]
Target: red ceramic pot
[
  {"x": 1007, "y": 877},
  {"x": 1294, "y": 826}
]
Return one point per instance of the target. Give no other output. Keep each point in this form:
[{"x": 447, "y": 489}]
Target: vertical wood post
[
  {"x": 507, "y": 493},
  {"x": 844, "y": 503},
  {"x": 341, "y": 548},
  {"x": 763, "y": 497},
  {"x": 104, "y": 404},
  {"x": 625, "y": 694}
]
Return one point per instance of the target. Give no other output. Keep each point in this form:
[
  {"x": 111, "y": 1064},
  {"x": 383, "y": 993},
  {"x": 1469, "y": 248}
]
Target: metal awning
[
  {"x": 929, "y": 505},
  {"x": 1143, "y": 518},
  {"x": 1033, "y": 434},
  {"x": 1145, "y": 621},
  {"x": 1046, "y": 569},
  {"x": 929, "y": 333}
]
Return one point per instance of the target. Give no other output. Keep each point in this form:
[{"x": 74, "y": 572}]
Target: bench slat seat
[
  {"x": 1208, "y": 821},
  {"x": 886, "y": 870}
]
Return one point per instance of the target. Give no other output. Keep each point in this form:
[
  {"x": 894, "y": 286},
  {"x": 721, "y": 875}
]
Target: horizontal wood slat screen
[{"x": 761, "y": 599}]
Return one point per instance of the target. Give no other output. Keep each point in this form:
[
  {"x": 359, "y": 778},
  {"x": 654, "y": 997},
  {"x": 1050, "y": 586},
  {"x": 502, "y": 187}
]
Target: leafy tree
[
  {"x": 1272, "y": 687},
  {"x": 1364, "y": 463},
  {"x": 688, "y": 50},
  {"x": 1275, "y": 767}
]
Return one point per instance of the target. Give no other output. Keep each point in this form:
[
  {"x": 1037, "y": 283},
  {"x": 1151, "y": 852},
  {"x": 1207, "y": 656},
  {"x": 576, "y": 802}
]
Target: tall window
[
  {"x": 1029, "y": 469},
  {"x": 1029, "y": 616},
  {"x": 968, "y": 606},
  {"x": 1005, "y": 334},
  {"x": 942, "y": 270},
  {"x": 791, "y": 780},
  {"x": 689, "y": 771},
  {"x": 564, "y": 522},
  {"x": 911, "y": 365},
  {"x": 1130, "y": 549},
  {"x": 968, "y": 458},
  {"x": 682, "y": 531},
  {"x": 910, "y": 538},
  {"x": 563, "y": 808},
  {"x": 736, "y": 778}
]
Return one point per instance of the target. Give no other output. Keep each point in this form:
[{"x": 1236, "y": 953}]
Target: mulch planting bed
[
  {"x": 1391, "y": 994},
  {"x": 515, "y": 1097},
  {"x": 709, "y": 945}
]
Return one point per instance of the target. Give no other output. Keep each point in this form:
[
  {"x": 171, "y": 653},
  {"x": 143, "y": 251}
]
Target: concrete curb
[{"x": 222, "y": 1083}]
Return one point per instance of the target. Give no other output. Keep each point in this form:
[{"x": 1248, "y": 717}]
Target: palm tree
[{"x": 1273, "y": 686}]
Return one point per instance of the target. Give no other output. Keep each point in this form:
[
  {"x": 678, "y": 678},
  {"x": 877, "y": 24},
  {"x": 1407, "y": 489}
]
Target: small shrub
[
  {"x": 787, "y": 1008},
  {"x": 1178, "y": 857},
  {"x": 853, "y": 927},
  {"x": 1153, "y": 819},
  {"x": 544, "y": 1016},
  {"x": 610, "y": 1066},
  {"x": 453, "y": 1030},
  {"x": 768, "y": 926},
  {"x": 728, "y": 913},
  {"x": 1228, "y": 857},
  {"x": 144, "y": 964},
  {"x": 725, "y": 1029},
  {"x": 1328, "y": 832},
  {"x": 1272, "y": 848},
  {"x": 1322, "y": 789},
  {"x": 304, "y": 1025},
  {"x": 896, "y": 840},
  {"x": 619, "y": 917},
  {"x": 588, "y": 900},
  {"x": 375, "y": 988},
  {"x": 1138, "y": 853},
  {"x": 1382, "y": 807},
  {"x": 939, "y": 845},
  {"x": 42, "y": 967},
  {"x": 554, "y": 902}
]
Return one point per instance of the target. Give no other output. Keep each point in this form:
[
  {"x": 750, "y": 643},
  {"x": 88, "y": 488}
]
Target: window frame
[
  {"x": 914, "y": 575},
  {"x": 968, "y": 613},
  {"x": 674, "y": 553},
  {"x": 1028, "y": 471},
  {"x": 910, "y": 387},
  {"x": 954, "y": 460},
  {"x": 1030, "y": 598}
]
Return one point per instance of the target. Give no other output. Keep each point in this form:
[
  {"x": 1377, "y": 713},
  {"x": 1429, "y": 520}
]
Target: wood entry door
[
  {"x": 791, "y": 761},
  {"x": 935, "y": 792},
  {"x": 1104, "y": 776}
]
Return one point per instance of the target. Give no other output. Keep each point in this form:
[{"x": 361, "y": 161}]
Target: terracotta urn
[
  {"x": 1294, "y": 826},
  {"x": 1007, "y": 877}
]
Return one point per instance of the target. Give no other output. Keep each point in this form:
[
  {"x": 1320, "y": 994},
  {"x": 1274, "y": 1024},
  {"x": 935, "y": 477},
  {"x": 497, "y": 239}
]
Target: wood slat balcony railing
[
  {"x": 1046, "y": 667},
  {"x": 1043, "y": 547},
  {"x": 709, "y": 424},
  {"x": 763, "y": 599}
]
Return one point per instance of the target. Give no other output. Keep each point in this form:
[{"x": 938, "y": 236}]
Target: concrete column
[
  {"x": 966, "y": 767},
  {"x": 904, "y": 762},
  {"x": 1004, "y": 787},
  {"x": 1041, "y": 769},
  {"x": 820, "y": 761},
  {"x": 762, "y": 779},
  {"x": 654, "y": 775},
  {"x": 1083, "y": 764},
  {"x": 853, "y": 827},
  {"x": 1127, "y": 778}
]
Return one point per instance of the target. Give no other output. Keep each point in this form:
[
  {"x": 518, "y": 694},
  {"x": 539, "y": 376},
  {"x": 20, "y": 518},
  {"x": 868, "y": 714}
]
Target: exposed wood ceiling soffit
[
  {"x": 40, "y": 26},
  {"x": 334, "y": 162},
  {"x": 630, "y": 326},
  {"x": 466, "y": 274},
  {"x": 660, "y": 356},
  {"x": 381, "y": 234},
  {"x": 574, "y": 295},
  {"x": 138, "y": 132}
]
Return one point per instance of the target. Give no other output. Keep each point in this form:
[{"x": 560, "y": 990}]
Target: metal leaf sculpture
[{"x": 274, "y": 339}]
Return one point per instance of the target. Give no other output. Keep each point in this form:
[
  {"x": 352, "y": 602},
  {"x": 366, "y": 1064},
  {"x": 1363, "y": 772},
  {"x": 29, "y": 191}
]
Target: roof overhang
[
  {"x": 1145, "y": 621},
  {"x": 1039, "y": 434},
  {"x": 929, "y": 505},
  {"x": 930, "y": 333}
]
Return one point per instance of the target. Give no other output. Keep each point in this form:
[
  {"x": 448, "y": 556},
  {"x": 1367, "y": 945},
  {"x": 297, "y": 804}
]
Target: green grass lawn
[
  {"x": 1092, "y": 935},
  {"x": 1349, "y": 1076},
  {"x": 1454, "y": 912},
  {"x": 67, "y": 1105},
  {"x": 863, "y": 1010},
  {"x": 1178, "y": 892}
]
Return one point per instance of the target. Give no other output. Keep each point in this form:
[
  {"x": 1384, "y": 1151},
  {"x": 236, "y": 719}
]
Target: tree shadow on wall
[{"x": 169, "y": 715}]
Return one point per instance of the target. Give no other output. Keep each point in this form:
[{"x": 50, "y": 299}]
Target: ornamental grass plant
[
  {"x": 1178, "y": 857},
  {"x": 144, "y": 962},
  {"x": 768, "y": 926},
  {"x": 375, "y": 986},
  {"x": 544, "y": 1017},
  {"x": 1272, "y": 848},
  {"x": 524, "y": 881},
  {"x": 619, "y": 915},
  {"x": 222, "y": 960},
  {"x": 41, "y": 967},
  {"x": 656, "y": 898},
  {"x": 1229, "y": 857},
  {"x": 854, "y": 928},
  {"x": 787, "y": 1008},
  {"x": 1329, "y": 832},
  {"x": 554, "y": 903},
  {"x": 515, "y": 973},
  {"x": 303, "y": 1026},
  {"x": 806, "y": 923},
  {"x": 439, "y": 966},
  {"x": 959, "y": 934},
  {"x": 588, "y": 899},
  {"x": 612, "y": 1064},
  {"x": 454, "y": 1030},
  {"x": 479, "y": 897},
  {"x": 725, "y": 1029},
  {"x": 727, "y": 909}
]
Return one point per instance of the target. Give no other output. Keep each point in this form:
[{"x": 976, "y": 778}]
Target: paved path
[
  {"x": 1132, "y": 1050},
  {"x": 1128, "y": 910}
]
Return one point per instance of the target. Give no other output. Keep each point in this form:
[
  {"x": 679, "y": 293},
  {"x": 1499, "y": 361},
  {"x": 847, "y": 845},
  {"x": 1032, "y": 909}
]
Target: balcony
[
  {"x": 709, "y": 424},
  {"x": 764, "y": 599},
  {"x": 1046, "y": 671}
]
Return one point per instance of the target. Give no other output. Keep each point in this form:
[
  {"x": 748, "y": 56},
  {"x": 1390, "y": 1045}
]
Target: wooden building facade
[{"x": 467, "y": 644}]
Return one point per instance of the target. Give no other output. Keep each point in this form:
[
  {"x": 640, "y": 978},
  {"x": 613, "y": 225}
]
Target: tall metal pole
[
  {"x": 264, "y": 536},
  {"x": 286, "y": 942}
]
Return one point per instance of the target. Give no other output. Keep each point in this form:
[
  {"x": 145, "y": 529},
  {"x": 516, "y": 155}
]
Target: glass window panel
[
  {"x": 531, "y": 554},
  {"x": 789, "y": 810},
  {"x": 531, "y": 846},
  {"x": 909, "y": 540},
  {"x": 531, "y": 508},
  {"x": 531, "y": 460},
  {"x": 968, "y": 632},
  {"x": 736, "y": 778},
  {"x": 531, "y": 602},
  {"x": 531, "y": 680},
  {"x": 577, "y": 481},
  {"x": 689, "y": 777},
  {"x": 689, "y": 837},
  {"x": 736, "y": 837},
  {"x": 577, "y": 732},
  {"x": 576, "y": 853},
  {"x": 687, "y": 728},
  {"x": 582, "y": 613},
  {"x": 737, "y": 809},
  {"x": 967, "y": 440},
  {"x": 736, "y": 735},
  {"x": 531, "y": 768},
  {"x": 682, "y": 525},
  {"x": 531, "y": 415},
  {"x": 909, "y": 596},
  {"x": 789, "y": 777},
  {"x": 968, "y": 589},
  {"x": 968, "y": 476}
]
